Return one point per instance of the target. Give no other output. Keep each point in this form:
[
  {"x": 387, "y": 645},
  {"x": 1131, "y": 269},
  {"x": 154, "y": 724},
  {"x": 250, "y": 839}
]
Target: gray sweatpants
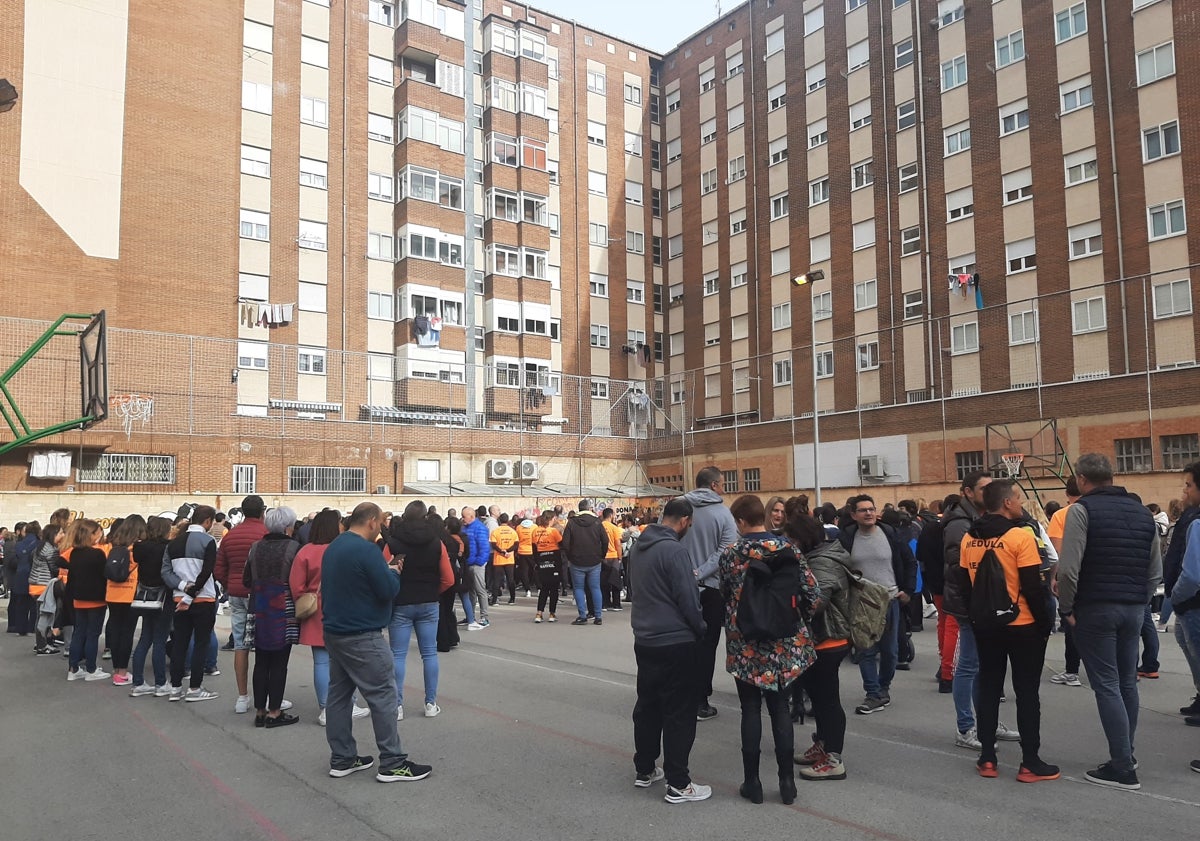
[
  {"x": 479, "y": 593},
  {"x": 363, "y": 662}
]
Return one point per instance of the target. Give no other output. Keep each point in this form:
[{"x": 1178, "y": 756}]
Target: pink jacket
[{"x": 306, "y": 578}]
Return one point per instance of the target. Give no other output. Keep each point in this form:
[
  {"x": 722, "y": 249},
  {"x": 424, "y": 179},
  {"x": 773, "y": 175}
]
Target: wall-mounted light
[
  {"x": 233, "y": 375},
  {"x": 8, "y": 96}
]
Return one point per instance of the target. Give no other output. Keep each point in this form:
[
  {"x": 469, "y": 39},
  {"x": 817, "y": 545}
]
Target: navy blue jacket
[
  {"x": 1120, "y": 540},
  {"x": 1173, "y": 560}
]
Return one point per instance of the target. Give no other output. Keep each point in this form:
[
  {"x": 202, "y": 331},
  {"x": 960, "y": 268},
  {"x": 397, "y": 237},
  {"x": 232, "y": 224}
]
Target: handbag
[
  {"x": 146, "y": 597},
  {"x": 306, "y": 605}
]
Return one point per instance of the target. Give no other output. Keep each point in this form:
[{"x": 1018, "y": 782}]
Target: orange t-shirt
[
  {"x": 545, "y": 539},
  {"x": 505, "y": 537},
  {"x": 1015, "y": 548},
  {"x": 524, "y": 540},
  {"x": 614, "y": 540},
  {"x": 1058, "y": 523}
]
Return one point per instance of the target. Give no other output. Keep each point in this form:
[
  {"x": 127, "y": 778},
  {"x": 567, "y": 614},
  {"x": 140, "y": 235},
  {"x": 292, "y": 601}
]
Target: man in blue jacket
[
  {"x": 475, "y": 531},
  {"x": 1181, "y": 579}
]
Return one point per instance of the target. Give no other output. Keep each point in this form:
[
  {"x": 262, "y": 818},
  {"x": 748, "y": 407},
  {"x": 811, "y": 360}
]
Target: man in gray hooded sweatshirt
[{"x": 713, "y": 530}]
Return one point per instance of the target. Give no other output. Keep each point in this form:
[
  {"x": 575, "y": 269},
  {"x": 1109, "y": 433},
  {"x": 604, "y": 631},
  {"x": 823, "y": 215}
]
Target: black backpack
[
  {"x": 768, "y": 608},
  {"x": 990, "y": 605}
]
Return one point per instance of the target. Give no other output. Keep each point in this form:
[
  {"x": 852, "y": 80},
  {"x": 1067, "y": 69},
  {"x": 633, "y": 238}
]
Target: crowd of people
[{"x": 795, "y": 591}]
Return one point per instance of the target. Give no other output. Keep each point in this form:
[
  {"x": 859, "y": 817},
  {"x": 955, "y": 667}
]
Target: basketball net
[
  {"x": 1012, "y": 463},
  {"x": 131, "y": 408}
]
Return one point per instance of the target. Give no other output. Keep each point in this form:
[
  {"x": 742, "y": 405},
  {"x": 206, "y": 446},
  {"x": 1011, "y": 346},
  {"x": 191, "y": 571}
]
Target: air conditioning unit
[
  {"x": 382, "y": 490},
  {"x": 498, "y": 468},
  {"x": 526, "y": 469},
  {"x": 870, "y": 467}
]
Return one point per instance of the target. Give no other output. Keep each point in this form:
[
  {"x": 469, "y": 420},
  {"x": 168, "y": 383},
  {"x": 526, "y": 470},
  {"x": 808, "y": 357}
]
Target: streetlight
[{"x": 809, "y": 277}]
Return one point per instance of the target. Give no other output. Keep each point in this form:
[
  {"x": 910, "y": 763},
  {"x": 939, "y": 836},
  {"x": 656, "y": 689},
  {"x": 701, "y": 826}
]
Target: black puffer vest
[
  {"x": 421, "y": 577},
  {"x": 1116, "y": 561}
]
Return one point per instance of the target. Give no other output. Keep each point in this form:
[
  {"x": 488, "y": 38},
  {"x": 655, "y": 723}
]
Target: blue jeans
[
  {"x": 586, "y": 578},
  {"x": 321, "y": 674},
  {"x": 156, "y": 627},
  {"x": 425, "y": 618},
  {"x": 85, "y": 641},
  {"x": 1107, "y": 635},
  {"x": 966, "y": 692},
  {"x": 1187, "y": 634},
  {"x": 468, "y": 607},
  {"x": 878, "y": 663},
  {"x": 1149, "y": 642},
  {"x": 1164, "y": 615}
]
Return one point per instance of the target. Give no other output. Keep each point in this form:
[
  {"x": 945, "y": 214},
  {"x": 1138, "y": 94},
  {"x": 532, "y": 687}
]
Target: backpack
[
  {"x": 990, "y": 607},
  {"x": 868, "y": 611},
  {"x": 768, "y": 608}
]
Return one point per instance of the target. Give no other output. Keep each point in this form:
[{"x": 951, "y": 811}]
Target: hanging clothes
[
  {"x": 277, "y": 313},
  {"x": 288, "y": 311},
  {"x": 975, "y": 281}
]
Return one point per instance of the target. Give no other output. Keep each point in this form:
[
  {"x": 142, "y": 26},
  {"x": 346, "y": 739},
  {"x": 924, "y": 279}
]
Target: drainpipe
[{"x": 1112, "y": 145}]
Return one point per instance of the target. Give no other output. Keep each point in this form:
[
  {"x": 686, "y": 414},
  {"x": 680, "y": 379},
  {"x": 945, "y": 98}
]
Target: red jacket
[{"x": 232, "y": 554}]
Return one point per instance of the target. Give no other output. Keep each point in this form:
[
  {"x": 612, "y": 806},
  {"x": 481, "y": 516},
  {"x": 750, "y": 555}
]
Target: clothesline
[{"x": 262, "y": 314}]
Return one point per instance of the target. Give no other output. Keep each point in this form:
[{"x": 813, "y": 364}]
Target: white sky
[{"x": 656, "y": 24}]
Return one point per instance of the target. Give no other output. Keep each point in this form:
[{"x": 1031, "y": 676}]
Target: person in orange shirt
[
  {"x": 504, "y": 542},
  {"x": 1021, "y": 642},
  {"x": 546, "y": 540},
  {"x": 610, "y": 574},
  {"x": 88, "y": 586},
  {"x": 525, "y": 570}
]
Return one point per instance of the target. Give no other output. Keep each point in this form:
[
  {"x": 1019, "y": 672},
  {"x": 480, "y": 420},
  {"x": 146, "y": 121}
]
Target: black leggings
[
  {"x": 501, "y": 575},
  {"x": 447, "y": 635},
  {"x": 820, "y": 681},
  {"x": 270, "y": 676},
  {"x": 195, "y": 622},
  {"x": 526, "y": 575},
  {"x": 751, "y": 698},
  {"x": 548, "y": 581},
  {"x": 120, "y": 624}
]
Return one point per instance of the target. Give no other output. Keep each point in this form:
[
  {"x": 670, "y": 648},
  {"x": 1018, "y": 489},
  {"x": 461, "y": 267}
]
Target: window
[
  {"x": 741, "y": 384},
  {"x": 1070, "y": 22},
  {"x": 633, "y": 93},
  {"x": 674, "y": 198},
  {"x": 712, "y": 337},
  {"x": 1022, "y": 327},
  {"x": 380, "y": 247},
  {"x": 314, "y": 52},
  {"x": 1178, "y": 451},
  {"x": 775, "y": 42},
  {"x": 781, "y": 316},
  {"x": 737, "y": 222},
  {"x": 597, "y": 183},
  {"x": 380, "y": 305},
  {"x": 252, "y": 355},
  {"x": 708, "y": 79},
  {"x": 779, "y": 206},
  {"x": 600, "y": 389},
  {"x": 781, "y": 261},
  {"x": 314, "y": 173},
  {"x": 596, "y": 81},
  {"x": 860, "y": 114},
  {"x": 906, "y": 115},
  {"x": 598, "y": 286},
  {"x": 1081, "y": 166},
  {"x": 1075, "y": 94},
  {"x": 1014, "y": 117},
  {"x": 533, "y": 155},
  {"x": 256, "y": 161},
  {"x": 857, "y": 55},
  {"x": 818, "y": 192},
  {"x": 256, "y": 97},
  {"x": 777, "y": 97},
  {"x": 851, "y": 5},
  {"x": 708, "y": 131},
  {"x": 675, "y": 246},
  {"x": 253, "y": 224},
  {"x": 958, "y": 138},
  {"x": 868, "y": 356},
  {"x": 315, "y": 112},
  {"x": 245, "y": 478},
  {"x": 778, "y": 150},
  {"x": 430, "y": 127},
  {"x": 500, "y": 93},
  {"x": 379, "y": 127},
  {"x": 678, "y": 392},
  {"x": 380, "y": 186},
  {"x": 950, "y": 11},
  {"x": 635, "y": 242},
  {"x": 963, "y": 264},
  {"x": 733, "y": 65},
  {"x": 737, "y": 168},
  {"x": 814, "y": 20},
  {"x": 1157, "y": 142},
  {"x": 633, "y": 144},
  {"x": 823, "y": 362},
  {"x": 818, "y": 248},
  {"x": 1167, "y": 220},
  {"x": 598, "y": 335},
  {"x": 310, "y": 361},
  {"x": 738, "y": 275},
  {"x": 381, "y": 12},
  {"x": 313, "y": 235},
  {"x": 327, "y": 480},
  {"x": 380, "y": 70},
  {"x": 904, "y": 53},
  {"x": 253, "y": 286},
  {"x": 674, "y": 150},
  {"x": 814, "y": 77},
  {"x": 507, "y": 374},
  {"x": 729, "y": 478},
  {"x": 1010, "y": 48},
  {"x": 864, "y": 234},
  {"x": 256, "y": 36},
  {"x": 596, "y": 133},
  {"x": 1085, "y": 240},
  {"x": 910, "y": 242},
  {"x": 1173, "y": 298},
  {"x": 964, "y": 338},
  {"x": 1018, "y": 186},
  {"x": 431, "y": 244},
  {"x": 1087, "y": 316},
  {"x": 1133, "y": 455},
  {"x": 954, "y": 73},
  {"x": 1156, "y": 63},
  {"x": 866, "y": 295},
  {"x": 960, "y": 204},
  {"x": 708, "y": 182},
  {"x": 1020, "y": 255},
  {"x": 712, "y": 283},
  {"x": 672, "y": 101},
  {"x": 914, "y": 304},
  {"x": 783, "y": 372},
  {"x": 126, "y": 469},
  {"x": 822, "y": 305},
  {"x": 968, "y": 462},
  {"x": 861, "y": 175},
  {"x": 818, "y": 134}
]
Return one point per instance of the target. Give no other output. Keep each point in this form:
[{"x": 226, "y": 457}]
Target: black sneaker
[
  {"x": 886, "y": 697},
  {"x": 406, "y": 771},
  {"x": 945, "y": 687},
  {"x": 582, "y": 620},
  {"x": 1192, "y": 708},
  {"x": 597, "y": 621},
  {"x": 1107, "y": 775},
  {"x": 1192, "y": 721},
  {"x": 871, "y": 704},
  {"x": 361, "y": 763},
  {"x": 1195, "y": 766},
  {"x": 707, "y": 711}
]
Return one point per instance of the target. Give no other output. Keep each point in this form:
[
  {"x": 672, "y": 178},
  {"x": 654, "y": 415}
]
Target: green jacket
[{"x": 830, "y": 564}]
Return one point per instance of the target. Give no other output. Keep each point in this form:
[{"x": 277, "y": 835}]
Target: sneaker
[
  {"x": 829, "y": 768},
  {"x": 1192, "y": 721},
  {"x": 1066, "y": 679},
  {"x": 647, "y": 780},
  {"x": 694, "y": 792},
  {"x": 285, "y": 705},
  {"x": 177, "y": 693},
  {"x": 475, "y": 626},
  {"x": 463, "y": 621},
  {"x": 706, "y": 712},
  {"x": 813, "y": 756},
  {"x": 582, "y": 620},
  {"x": 321, "y": 722},
  {"x": 618, "y": 609},
  {"x": 1192, "y": 708},
  {"x": 107, "y": 655},
  {"x": 1004, "y": 734},
  {"x": 432, "y": 710},
  {"x": 968, "y": 740},
  {"x": 871, "y": 704},
  {"x": 99, "y": 674},
  {"x": 78, "y": 674},
  {"x": 484, "y": 622},
  {"x": 528, "y": 594},
  {"x": 213, "y": 672},
  {"x": 987, "y": 769},
  {"x": 43, "y": 651},
  {"x": 122, "y": 680},
  {"x": 141, "y": 689},
  {"x": 537, "y": 620},
  {"x": 162, "y": 690},
  {"x": 200, "y": 694},
  {"x": 597, "y": 621},
  {"x": 242, "y": 704},
  {"x": 406, "y": 771},
  {"x": 357, "y": 712},
  {"x": 1195, "y": 766},
  {"x": 945, "y": 687},
  {"x": 281, "y": 720},
  {"x": 1107, "y": 775},
  {"x": 1036, "y": 771},
  {"x": 552, "y": 618},
  {"x": 1148, "y": 675},
  {"x": 360, "y": 763},
  {"x": 886, "y": 697},
  {"x": 400, "y": 713}
]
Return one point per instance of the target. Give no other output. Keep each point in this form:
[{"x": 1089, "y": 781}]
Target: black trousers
[
  {"x": 751, "y": 698},
  {"x": 548, "y": 587},
  {"x": 20, "y": 609},
  {"x": 503, "y": 574},
  {"x": 1024, "y": 646},
  {"x": 610, "y": 583},
  {"x": 270, "y": 677},
  {"x": 820, "y": 681},
  {"x": 120, "y": 626},
  {"x": 712, "y": 605},
  {"x": 1071, "y": 653},
  {"x": 665, "y": 713},
  {"x": 194, "y": 623},
  {"x": 447, "y": 635},
  {"x": 526, "y": 574}
]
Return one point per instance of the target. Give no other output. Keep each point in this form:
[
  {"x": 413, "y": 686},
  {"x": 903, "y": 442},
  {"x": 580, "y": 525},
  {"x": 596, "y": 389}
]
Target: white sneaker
[
  {"x": 359, "y": 712},
  {"x": 691, "y": 794},
  {"x": 399, "y": 713},
  {"x": 1066, "y": 679},
  {"x": 99, "y": 674},
  {"x": 141, "y": 689},
  {"x": 1004, "y": 734},
  {"x": 285, "y": 705},
  {"x": 475, "y": 626},
  {"x": 968, "y": 740},
  {"x": 647, "y": 780},
  {"x": 432, "y": 710},
  {"x": 177, "y": 693},
  {"x": 200, "y": 694},
  {"x": 78, "y": 674},
  {"x": 321, "y": 718},
  {"x": 242, "y": 704},
  {"x": 162, "y": 690}
]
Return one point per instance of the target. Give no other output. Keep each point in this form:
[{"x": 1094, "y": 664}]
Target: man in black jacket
[
  {"x": 584, "y": 544},
  {"x": 881, "y": 556}
]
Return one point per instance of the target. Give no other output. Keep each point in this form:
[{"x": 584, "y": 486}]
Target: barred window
[
  {"x": 968, "y": 462},
  {"x": 1179, "y": 451},
  {"x": 1134, "y": 455},
  {"x": 333, "y": 480},
  {"x": 245, "y": 478},
  {"x": 729, "y": 481},
  {"x": 752, "y": 478},
  {"x": 127, "y": 469}
]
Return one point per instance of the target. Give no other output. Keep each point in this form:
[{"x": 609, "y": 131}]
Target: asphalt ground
[{"x": 535, "y": 740}]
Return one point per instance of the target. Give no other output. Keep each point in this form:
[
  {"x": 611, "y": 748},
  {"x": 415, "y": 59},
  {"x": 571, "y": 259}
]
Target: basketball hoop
[
  {"x": 1012, "y": 463},
  {"x": 131, "y": 408}
]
